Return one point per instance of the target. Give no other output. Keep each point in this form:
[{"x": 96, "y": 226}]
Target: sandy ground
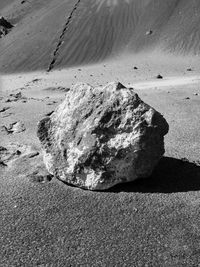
[{"x": 151, "y": 222}]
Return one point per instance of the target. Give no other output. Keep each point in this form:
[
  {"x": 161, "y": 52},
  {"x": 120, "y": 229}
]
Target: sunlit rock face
[{"x": 102, "y": 136}]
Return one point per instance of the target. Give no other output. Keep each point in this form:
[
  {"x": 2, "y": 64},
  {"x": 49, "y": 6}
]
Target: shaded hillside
[{"x": 54, "y": 33}]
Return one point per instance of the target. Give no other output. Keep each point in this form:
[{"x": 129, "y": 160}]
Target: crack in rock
[
  {"x": 55, "y": 53},
  {"x": 103, "y": 136}
]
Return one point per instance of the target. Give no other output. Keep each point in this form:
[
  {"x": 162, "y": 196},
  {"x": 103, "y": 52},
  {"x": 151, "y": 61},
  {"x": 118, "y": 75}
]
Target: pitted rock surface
[{"x": 102, "y": 136}]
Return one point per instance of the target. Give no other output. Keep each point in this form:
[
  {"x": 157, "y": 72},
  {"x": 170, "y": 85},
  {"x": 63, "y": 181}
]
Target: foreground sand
[{"x": 152, "y": 222}]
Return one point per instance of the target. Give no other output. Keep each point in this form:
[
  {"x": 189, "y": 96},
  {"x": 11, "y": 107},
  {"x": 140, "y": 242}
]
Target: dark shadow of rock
[
  {"x": 5, "y": 26},
  {"x": 170, "y": 176}
]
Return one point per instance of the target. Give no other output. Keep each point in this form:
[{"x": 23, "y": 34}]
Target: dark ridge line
[{"x": 55, "y": 53}]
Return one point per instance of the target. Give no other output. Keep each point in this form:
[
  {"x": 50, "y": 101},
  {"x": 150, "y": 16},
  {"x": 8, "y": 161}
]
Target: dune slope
[{"x": 58, "y": 33}]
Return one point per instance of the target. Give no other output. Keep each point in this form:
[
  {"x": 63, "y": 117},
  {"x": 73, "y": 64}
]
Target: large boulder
[{"x": 102, "y": 136}]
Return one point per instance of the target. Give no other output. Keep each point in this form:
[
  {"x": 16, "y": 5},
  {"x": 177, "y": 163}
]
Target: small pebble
[
  {"x": 34, "y": 154},
  {"x": 159, "y": 76}
]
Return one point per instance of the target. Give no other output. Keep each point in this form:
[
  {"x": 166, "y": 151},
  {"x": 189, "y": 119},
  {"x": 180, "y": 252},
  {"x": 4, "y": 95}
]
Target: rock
[
  {"x": 51, "y": 103},
  {"x": 36, "y": 80},
  {"x": 15, "y": 151},
  {"x": 149, "y": 32},
  {"x": 16, "y": 97},
  {"x": 3, "y": 164},
  {"x": 102, "y": 136},
  {"x": 4, "y": 109},
  {"x": 159, "y": 76},
  {"x": 15, "y": 127},
  {"x": 9, "y": 153},
  {"x": 39, "y": 177},
  {"x": 33, "y": 154},
  {"x": 59, "y": 89},
  {"x": 49, "y": 113}
]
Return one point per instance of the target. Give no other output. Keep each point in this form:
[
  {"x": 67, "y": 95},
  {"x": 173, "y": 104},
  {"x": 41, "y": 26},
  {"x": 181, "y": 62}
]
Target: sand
[{"x": 151, "y": 222}]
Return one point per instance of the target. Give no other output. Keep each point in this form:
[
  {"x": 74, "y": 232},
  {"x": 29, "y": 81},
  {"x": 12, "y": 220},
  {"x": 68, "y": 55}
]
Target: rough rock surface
[{"x": 102, "y": 136}]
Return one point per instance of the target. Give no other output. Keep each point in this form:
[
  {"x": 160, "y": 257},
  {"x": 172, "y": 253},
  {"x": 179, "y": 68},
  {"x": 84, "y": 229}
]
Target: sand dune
[{"x": 67, "y": 33}]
